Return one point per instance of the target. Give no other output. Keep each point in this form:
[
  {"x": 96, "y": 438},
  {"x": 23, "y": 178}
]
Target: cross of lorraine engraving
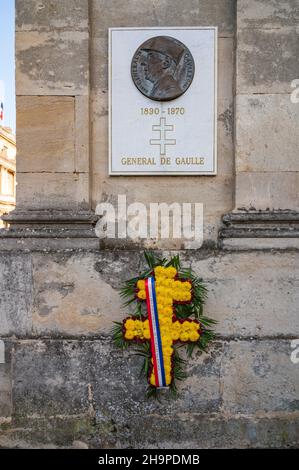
[{"x": 162, "y": 128}]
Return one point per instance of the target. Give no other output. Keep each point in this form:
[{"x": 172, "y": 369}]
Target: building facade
[
  {"x": 7, "y": 170},
  {"x": 62, "y": 380}
]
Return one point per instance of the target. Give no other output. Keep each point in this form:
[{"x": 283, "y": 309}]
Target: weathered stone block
[
  {"x": 5, "y": 383},
  {"x": 204, "y": 431},
  {"x": 266, "y": 60},
  {"x": 260, "y": 288},
  {"x": 71, "y": 297},
  {"x": 66, "y": 70},
  {"x": 142, "y": 432},
  {"x": 82, "y": 127},
  {"x": 267, "y": 190},
  {"x": 225, "y": 70},
  {"x": 215, "y": 193},
  {"x": 260, "y": 377},
  {"x": 88, "y": 381},
  {"x": 77, "y": 294},
  {"x": 167, "y": 12},
  {"x": 53, "y": 190},
  {"x": 49, "y": 15},
  {"x": 46, "y": 141},
  {"x": 267, "y": 13},
  {"x": 5, "y": 391},
  {"x": 75, "y": 377},
  {"x": 16, "y": 294},
  {"x": 261, "y": 243},
  {"x": 267, "y": 137}
]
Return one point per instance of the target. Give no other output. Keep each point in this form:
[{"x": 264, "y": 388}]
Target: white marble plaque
[{"x": 148, "y": 137}]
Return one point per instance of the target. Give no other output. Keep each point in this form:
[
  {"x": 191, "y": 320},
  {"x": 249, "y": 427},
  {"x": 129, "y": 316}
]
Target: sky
[{"x": 7, "y": 61}]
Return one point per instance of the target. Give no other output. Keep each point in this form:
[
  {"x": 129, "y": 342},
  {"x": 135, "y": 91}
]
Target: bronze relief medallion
[{"x": 162, "y": 68}]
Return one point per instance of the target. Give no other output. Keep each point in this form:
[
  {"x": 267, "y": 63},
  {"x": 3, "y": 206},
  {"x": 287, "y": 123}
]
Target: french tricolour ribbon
[{"x": 156, "y": 342}]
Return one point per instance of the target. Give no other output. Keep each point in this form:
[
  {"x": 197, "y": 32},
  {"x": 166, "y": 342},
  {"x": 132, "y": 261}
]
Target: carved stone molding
[
  {"x": 260, "y": 230},
  {"x": 53, "y": 229}
]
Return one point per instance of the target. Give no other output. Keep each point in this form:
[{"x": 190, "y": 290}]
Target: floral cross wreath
[{"x": 168, "y": 315}]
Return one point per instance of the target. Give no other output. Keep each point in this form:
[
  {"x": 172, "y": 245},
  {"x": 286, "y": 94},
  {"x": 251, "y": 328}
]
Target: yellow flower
[
  {"x": 141, "y": 284},
  {"x": 184, "y": 336},
  {"x": 178, "y": 295},
  {"x": 141, "y": 294},
  {"x": 168, "y": 379},
  {"x": 129, "y": 334},
  {"x": 160, "y": 300},
  {"x": 171, "y": 272},
  {"x": 187, "y": 285},
  {"x": 168, "y": 301},
  {"x": 152, "y": 379},
  {"x": 167, "y": 351},
  {"x": 130, "y": 324},
  {"x": 175, "y": 335},
  {"x": 165, "y": 321},
  {"x": 160, "y": 308},
  {"x": 167, "y": 310},
  {"x": 194, "y": 326},
  {"x": 159, "y": 271},
  {"x": 186, "y": 326},
  {"x": 138, "y": 324},
  {"x": 166, "y": 341},
  {"x": 146, "y": 324},
  {"x": 170, "y": 283},
  {"x": 187, "y": 296},
  {"x": 193, "y": 335},
  {"x": 176, "y": 326},
  {"x": 177, "y": 285},
  {"x": 164, "y": 330},
  {"x": 146, "y": 334}
]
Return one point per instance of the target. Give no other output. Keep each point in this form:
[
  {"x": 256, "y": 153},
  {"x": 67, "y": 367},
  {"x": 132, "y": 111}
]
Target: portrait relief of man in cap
[
  {"x": 162, "y": 57},
  {"x": 162, "y": 68}
]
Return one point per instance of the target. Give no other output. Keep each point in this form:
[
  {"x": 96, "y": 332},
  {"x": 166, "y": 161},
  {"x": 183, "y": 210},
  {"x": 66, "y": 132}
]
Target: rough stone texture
[
  {"x": 266, "y": 60},
  {"x": 256, "y": 229},
  {"x": 261, "y": 243},
  {"x": 50, "y": 131},
  {"x": 49, "y": 15},
  {"x": 16, "y": 294},
  {"x": 79, "y": 376},
  {"x": 74, "y": 294},
  {"x": 267, "y": 190},
  {"x": 267, "y": 136},
  {"x": 71, "y": 298},
  {"x": 266, "y": 120},
  {"x": 66, "y": 70},
  {"x": 163, "y": 13},
  {"x": 5, "y": 383},
  {"x": 259, "y": 371},
  {"x": 82, "y": 137},
  {"x": 267, "y": 14},
  {"x": 53, "y": 190},
  {"x": 98, "y": 391}
]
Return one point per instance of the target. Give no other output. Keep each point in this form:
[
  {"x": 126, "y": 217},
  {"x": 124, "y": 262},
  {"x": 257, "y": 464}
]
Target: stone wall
[{"x": 63, "y": 384}]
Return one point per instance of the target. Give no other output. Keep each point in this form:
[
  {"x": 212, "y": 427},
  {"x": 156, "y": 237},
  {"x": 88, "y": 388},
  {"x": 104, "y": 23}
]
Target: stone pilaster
[
  {"x": 266, "y": 128},
  {"x": 53, "y": 159}
]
